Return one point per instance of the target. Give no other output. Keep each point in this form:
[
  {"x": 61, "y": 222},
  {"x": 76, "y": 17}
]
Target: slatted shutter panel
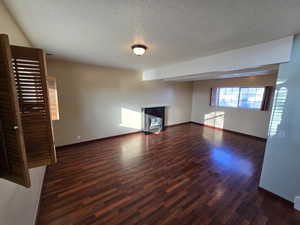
[
  {"x": 12, "y": 142},
  {"x": 30, "y": 76}
]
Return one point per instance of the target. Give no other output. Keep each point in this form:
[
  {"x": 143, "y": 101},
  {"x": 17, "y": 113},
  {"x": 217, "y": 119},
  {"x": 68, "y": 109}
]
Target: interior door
[
  {"x": 30, "y": 72},
  {"x": 12, "y": 146}
]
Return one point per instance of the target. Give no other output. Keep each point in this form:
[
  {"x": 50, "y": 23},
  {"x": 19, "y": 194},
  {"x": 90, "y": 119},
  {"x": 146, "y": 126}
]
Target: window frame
[{"x": 264, "y": 106}]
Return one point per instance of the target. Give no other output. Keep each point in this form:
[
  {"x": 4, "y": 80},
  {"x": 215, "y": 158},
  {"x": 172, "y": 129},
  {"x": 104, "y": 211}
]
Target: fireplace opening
[{"x": 154, "y": 119}]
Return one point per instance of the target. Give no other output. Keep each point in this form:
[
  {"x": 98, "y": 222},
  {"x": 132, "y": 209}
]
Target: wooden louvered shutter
[
  {"x": 12, "y": 142},
  {"x": 29, "y": 66}
]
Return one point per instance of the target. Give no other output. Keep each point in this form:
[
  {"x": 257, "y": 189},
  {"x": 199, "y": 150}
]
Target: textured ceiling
[{"x": 102, "y": 31}]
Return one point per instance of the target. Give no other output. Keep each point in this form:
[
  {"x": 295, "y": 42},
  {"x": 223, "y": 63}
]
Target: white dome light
[{"x": 139, "y": 49}]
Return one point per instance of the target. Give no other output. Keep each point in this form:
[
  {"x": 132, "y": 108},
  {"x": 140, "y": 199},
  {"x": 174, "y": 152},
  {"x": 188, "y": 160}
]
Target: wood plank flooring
[{"x": 186, "y": 175}]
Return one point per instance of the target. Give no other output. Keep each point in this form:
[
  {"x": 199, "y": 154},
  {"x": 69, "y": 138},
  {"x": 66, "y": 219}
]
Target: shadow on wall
[{"x": 215, "y": 119}]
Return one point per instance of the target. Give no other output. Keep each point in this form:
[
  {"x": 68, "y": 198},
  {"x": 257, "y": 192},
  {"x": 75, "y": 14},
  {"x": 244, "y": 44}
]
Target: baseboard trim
[
  {"x": 231, "y": 131},
  {"x": 179, "y": 124},
  {"x": 168, "y": 126},
  {"x": 98, "y": 139},
  {"x": 277, "y": 197},
  {"x": 115, "y": 136}
]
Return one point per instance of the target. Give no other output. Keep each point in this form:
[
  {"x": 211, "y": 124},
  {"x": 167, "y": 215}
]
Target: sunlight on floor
[{"x": 228, "y": 160}]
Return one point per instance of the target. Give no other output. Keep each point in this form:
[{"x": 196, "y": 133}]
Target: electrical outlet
[
  {"x": 297, "y": 203},
  {"x": 78, "y": 137}
]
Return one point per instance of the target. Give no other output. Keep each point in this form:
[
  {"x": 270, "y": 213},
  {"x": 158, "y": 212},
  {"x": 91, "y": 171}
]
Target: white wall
[
  {"x": 252, "y": 122},
  {"x": 273, "y": 52},
  {"x": 97, "y": 102},
  {"x": 281, "y": 167},
  {"x": 10, "y": 27},
  {"x": 18, "y": 205}
]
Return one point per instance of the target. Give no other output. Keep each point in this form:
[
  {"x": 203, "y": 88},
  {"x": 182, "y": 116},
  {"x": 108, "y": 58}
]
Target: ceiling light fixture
[{"x": 139, "y": 49}]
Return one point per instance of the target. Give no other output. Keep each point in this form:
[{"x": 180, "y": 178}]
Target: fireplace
[{"x": 154, "y": 119}]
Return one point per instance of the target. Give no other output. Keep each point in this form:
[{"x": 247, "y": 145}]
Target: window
[
  {"x": 251, "y": 97},
  {"x": 228, "y": 97},
  {"x": 241, "y": 97}
]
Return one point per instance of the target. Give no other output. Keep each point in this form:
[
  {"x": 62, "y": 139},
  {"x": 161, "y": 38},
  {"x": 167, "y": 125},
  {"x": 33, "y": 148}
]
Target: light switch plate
[{"x": 297, "y": 203}]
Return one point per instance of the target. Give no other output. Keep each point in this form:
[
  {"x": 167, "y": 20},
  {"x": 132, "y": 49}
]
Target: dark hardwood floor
[{"x": 186, "y": 175}]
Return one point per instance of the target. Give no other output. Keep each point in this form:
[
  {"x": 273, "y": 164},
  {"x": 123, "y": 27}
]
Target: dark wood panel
[
  {"x": 13, "y": 142},
  {"x": 4, "y": 165},
  {"x": 188, "y": 174}
]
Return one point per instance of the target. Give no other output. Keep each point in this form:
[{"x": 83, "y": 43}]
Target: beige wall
[
  {"x": 18, "y": 205},
  {"x": 97, "y": 102},
  {"x": 252, "y": 122},
  {"x": 8, "y": 26}
]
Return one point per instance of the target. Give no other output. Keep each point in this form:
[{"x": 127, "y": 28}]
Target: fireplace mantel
[{"x": 153, "y": 106}]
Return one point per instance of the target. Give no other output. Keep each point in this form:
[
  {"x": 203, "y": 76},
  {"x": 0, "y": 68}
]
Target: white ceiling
[{"x": 102, "y": 31}]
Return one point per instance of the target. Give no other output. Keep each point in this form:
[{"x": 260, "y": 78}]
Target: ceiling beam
[{"x": 273, "y": 52}]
